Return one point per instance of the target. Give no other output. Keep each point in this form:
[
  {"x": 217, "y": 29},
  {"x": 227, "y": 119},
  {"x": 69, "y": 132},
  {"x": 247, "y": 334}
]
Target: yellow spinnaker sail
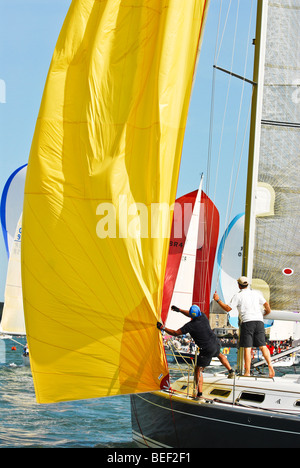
[{"x": 104, "y": 163}]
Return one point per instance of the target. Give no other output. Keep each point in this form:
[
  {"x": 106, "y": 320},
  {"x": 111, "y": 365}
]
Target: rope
[
  {"x": 204, "y": 275},
  {"x": 171, "y": 348},
  {"x": 229, "y": 211},
  {"x": 179, "y": 368},
  {"x": 133, "y": 405}
]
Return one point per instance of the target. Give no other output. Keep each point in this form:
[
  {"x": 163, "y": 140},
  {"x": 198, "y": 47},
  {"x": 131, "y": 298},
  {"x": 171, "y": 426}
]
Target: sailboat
[
  {"x": 12, "y": 323},
  {"x": 193, "y": 244},
  {"x": 251, "y": 411},
  {"x": 190, "y": 263},
  {"x": 102, "y": 177}
]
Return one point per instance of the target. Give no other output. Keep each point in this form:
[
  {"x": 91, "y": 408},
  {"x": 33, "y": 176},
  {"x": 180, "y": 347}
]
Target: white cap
[{"x": 243, "y": 281}]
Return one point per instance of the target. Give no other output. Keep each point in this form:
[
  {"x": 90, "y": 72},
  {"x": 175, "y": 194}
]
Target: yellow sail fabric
[{"x": 103, "y": 166}]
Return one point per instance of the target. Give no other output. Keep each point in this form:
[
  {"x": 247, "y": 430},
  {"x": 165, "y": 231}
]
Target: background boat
[{"x": 12, "y": 322}]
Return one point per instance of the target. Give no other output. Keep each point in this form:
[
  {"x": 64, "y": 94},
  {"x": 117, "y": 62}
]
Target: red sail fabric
[{"x": 207, "y": 245}]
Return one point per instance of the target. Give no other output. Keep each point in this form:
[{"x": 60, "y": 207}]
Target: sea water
[{"x": 98, "y": 423}]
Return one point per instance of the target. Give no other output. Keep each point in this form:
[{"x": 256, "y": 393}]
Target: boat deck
[{"x": 275, "y": 394}]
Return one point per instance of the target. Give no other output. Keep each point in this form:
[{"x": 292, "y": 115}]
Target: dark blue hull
[{"x": 159, "y": 420}]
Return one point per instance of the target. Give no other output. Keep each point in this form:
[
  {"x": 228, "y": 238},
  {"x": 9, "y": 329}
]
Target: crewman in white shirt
[{"x": 250, "y": 304}]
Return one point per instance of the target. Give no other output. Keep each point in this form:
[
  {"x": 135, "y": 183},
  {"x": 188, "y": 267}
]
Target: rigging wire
[
  {"x": 175, "y": 356},
  {"x": 204, "y": 274},
  {"x": 228, "y": 212},
  {"x": 226, "y": 105},
  {"x": 232, "y": 185},
  {"x": 212, "y": 107},
  {"x": 216, "y": 56}
]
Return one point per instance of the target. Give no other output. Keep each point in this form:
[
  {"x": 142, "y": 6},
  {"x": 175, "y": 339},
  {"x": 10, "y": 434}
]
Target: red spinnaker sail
[{"x": 207, "y": 245}]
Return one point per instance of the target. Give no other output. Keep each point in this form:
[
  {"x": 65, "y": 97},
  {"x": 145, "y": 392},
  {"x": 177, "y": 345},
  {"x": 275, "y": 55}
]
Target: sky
[{"x": 28, "y": 33}]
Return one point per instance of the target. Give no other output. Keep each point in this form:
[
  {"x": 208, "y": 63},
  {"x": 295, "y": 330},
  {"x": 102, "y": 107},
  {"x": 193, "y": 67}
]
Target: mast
[
  {"x": 254, "y": 139},
  {"x": 254, "y": 145}
]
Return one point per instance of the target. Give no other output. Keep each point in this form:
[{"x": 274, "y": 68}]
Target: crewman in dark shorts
[
  {"x": 252, "y": 308},
  {"x": 207, "y": 342}
]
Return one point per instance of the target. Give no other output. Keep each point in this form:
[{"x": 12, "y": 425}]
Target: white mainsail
[
  {"x": 12, "y": 321},
  {"x": 274, "y": 227}
]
